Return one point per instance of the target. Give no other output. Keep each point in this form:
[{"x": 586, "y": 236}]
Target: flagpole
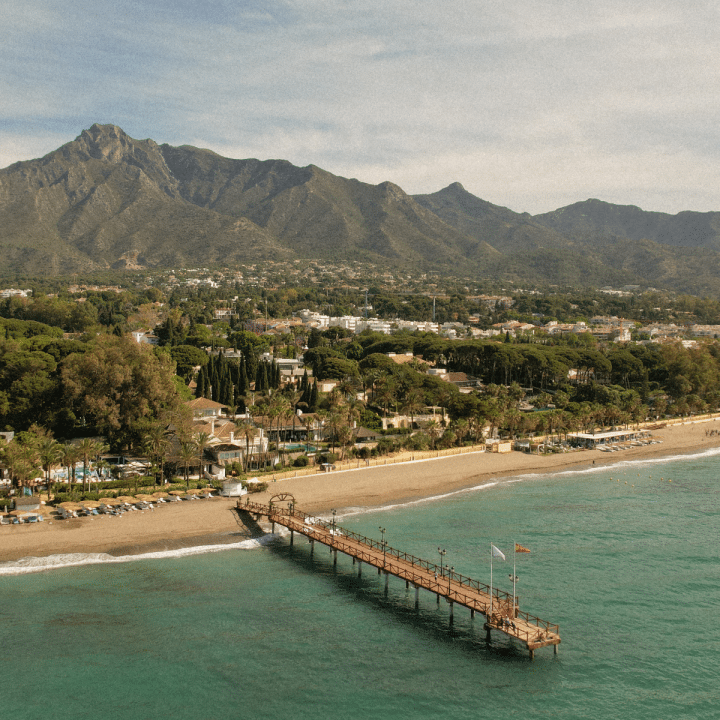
[
  {"x": 514, "y": 577},
  {"x": 491, "y": 598}
]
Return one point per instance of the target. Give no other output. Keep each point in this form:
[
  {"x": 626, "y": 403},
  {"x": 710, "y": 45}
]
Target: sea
[{"x": 624, "y": 559}]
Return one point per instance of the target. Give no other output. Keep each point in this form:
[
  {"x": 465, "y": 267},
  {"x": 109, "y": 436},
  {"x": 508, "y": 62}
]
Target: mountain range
[{"x": 106, "y": 200}]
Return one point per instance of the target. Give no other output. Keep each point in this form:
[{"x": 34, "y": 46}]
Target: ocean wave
[
  {"x": 640, "y": 462},
  {"x": 53, "y": 562},
  {"x": 527, "y": 477}
]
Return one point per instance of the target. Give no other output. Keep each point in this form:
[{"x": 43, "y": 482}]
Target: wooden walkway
[{"x": 530, "y": 631}]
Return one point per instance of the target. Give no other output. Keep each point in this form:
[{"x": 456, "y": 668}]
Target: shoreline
[{"x": 198, "y": 523}]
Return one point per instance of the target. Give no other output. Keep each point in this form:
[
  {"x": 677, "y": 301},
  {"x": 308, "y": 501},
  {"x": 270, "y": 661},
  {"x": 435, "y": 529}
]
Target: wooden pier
[{"x": 501, "y": 613}]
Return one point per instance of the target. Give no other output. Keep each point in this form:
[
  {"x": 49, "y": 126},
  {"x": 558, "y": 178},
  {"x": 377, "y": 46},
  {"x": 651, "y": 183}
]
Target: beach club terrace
[{"x": 612, "y": 437}]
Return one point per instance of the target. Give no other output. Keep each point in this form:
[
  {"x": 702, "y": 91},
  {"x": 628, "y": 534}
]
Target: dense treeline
[
  {"x": 106, "y": 384},
  {"x": 662, "y": 376}
]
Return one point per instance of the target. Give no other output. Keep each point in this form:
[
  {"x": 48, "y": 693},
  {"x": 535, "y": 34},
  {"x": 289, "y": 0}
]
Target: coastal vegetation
[{"x": 71, "y": 368}]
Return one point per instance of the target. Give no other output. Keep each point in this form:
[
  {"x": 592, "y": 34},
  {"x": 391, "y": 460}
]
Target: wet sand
[{"x": 213, "y": 521}]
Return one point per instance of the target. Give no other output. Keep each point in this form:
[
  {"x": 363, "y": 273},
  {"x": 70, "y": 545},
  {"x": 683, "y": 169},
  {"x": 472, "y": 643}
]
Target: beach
[{"x": 214, "y": 521}]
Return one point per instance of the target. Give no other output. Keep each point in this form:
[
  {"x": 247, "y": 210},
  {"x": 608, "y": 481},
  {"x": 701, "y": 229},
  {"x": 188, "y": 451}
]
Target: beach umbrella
[
  {"x": 114, "y": 502},
  {"x": 145, "y": 498},
  {"x": 127, "y": 499},
  {"x": 159, "y": 495},
  {"x": 90, "y": 503},
  {"x": 178, "y": 492}
]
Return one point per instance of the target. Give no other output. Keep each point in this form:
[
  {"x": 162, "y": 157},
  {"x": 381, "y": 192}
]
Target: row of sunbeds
[{"x": 120, "y": 506}]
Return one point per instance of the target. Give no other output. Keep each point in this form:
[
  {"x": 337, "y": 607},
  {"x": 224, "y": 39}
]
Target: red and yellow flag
[{"x": 520, "y": 549}]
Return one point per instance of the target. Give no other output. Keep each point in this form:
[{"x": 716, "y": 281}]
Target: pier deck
[{"x": 501, "y": 613}]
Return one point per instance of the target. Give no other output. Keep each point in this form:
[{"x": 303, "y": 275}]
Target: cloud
[{"x": 527, "y": 104}]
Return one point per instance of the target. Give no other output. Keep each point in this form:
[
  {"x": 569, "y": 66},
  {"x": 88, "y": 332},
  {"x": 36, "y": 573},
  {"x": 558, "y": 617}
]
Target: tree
[
  {"x": 50, "y": 453},
  {"x": 118, "y": 383},
  {"x": 247, "y": 430},
  {"x": 412, "y": 404},
  {"x": 155, "y": 440},
  {"x": 434, "y": 430},
  {"x": 22, "y": 460},
  {"x": 188, "y": 452},
  {"x": 69, "y": 458},
  {"x": 88, "y": 449},
  {"x": 202, "y": 442}
]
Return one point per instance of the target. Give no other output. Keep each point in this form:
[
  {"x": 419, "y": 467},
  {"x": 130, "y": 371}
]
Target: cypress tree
[
  {"x": 265, "y": 378},
  {"x": 314, "y": 397},
  {"x": 251, "y": 365},
  {"x": 215, "y": 383},
  {"x": 200, "y": 389},
  {"x": 243, "y": 383}
]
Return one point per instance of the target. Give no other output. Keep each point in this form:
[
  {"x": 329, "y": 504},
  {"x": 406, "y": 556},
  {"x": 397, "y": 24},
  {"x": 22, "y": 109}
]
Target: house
[
  {"x": 139, "y": 336},
  {"x": 364, "y": 436},
  {"x": 203, "y": 408},
  {"x": 226, "y": 453}
]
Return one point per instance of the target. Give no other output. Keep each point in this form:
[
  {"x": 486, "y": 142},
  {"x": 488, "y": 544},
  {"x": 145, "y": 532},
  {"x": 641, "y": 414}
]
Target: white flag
[{"x": 496, "y": 552}]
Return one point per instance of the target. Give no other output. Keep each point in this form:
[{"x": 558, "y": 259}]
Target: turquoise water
[{"x": 628, "y": 568}]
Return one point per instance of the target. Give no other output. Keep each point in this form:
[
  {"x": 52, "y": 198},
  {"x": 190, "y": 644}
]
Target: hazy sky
[{"x": 531, "y": 104}]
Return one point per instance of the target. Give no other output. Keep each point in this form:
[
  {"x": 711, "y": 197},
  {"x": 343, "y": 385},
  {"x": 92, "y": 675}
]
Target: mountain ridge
[{"x": 106, "y": 200}]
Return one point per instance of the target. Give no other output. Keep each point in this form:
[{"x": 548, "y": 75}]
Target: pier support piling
[
  {"x": 451, "y": 614},
  {"x": 292, "y": 537},
  {"x": 334, "y": 558},
  {"x": 312, "y": 548},
  {"x": 387, "y": 576},
  {"x": 359, "y": 568},
  {"x": 417, "y": 597}
]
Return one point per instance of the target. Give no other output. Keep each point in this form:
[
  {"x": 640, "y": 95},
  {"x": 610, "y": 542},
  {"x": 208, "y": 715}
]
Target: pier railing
[{"x": 424, "y": 573}]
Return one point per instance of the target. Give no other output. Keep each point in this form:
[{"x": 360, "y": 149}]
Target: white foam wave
[
  {"x": 53, "y": 562},
  {"x": 641, "y": 462},
  {"x": 508, "y": 480}
]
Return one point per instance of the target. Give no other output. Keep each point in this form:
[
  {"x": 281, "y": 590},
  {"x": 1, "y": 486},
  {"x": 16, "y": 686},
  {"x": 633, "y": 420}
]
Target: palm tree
[
  {"x": 248, "y": 431},
  {"x": 50, "y": 454},
  {"x": 23, "y": 462},
  {"x": 309, "y": 422},
  {"x": 86, "y": 449},
  {"x": 201, "y": 442},
  {"x": 462, "y": 428},
  {"x": 69, "y": 458},
  {"x": 156, "y": 440},
  {"x": 385, "y": 393},
  {"x": 434, "y": 430},
  {"x": 414, "y": 402},
  {"x": 187, "y": 453}
]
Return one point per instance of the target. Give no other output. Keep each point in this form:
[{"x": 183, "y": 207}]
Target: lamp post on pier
[
  {"x": 442, "y": 554},
  {"x": 334, "y": 513},
  {"x": 383, "y": 544}
]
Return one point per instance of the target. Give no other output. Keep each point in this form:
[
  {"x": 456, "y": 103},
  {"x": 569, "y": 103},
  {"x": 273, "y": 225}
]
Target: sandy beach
[{"x": 203, "y": 522}]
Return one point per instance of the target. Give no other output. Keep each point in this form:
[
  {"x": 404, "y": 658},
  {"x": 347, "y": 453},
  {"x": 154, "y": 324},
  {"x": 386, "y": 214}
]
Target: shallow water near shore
[{"x": 624, "y": 559}]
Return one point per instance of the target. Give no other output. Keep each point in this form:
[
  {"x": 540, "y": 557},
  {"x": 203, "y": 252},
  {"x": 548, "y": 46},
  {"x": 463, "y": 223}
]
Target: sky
[{"x": 530, "y": 104}]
